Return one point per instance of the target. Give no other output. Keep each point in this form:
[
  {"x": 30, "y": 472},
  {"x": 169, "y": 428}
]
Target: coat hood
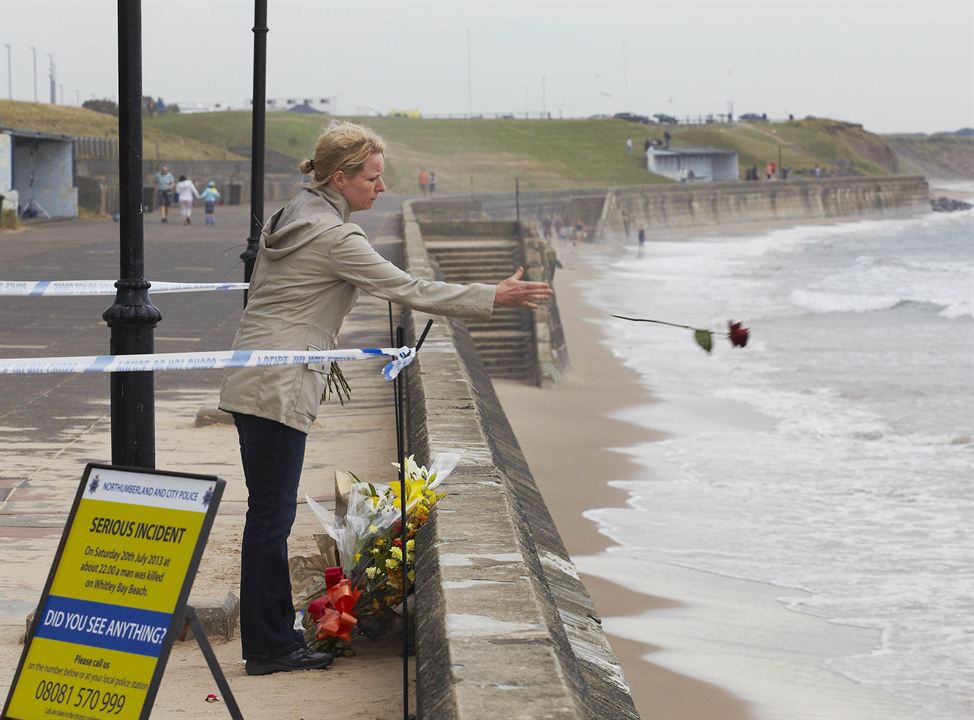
[{"x": 307, "y": 217}]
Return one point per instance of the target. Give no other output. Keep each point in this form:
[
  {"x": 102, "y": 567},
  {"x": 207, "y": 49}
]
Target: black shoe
[{"x": 300, "y": 659}]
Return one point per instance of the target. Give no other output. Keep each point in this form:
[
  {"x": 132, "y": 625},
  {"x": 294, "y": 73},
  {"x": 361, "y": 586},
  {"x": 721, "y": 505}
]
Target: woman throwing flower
[{"x": 311, "y": 264}]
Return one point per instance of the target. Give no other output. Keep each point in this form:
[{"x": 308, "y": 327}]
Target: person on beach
[
  {"x": 211, "y": 196},
  {"x": 311, "y": 264},
  {"x": 164, "y": 185},
  {"x": 186, "y": 190}
]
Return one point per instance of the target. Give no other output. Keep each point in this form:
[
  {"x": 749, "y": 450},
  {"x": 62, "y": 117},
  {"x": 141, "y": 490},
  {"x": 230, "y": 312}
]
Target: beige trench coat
[{"x": 310, "y": 266}]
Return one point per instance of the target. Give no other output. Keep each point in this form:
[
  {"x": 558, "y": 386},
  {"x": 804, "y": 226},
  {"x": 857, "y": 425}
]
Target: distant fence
[
  {"x": 101, "y": 148},
  {"x": 708, "y": 119}
]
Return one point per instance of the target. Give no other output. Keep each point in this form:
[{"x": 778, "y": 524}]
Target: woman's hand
[{"x": 516, "y": 292}]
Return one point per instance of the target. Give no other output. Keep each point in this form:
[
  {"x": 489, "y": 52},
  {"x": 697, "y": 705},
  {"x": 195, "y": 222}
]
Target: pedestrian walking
[
  {"x": 186, "y": 191},
  {"x": 165, "y": 183},
  {"x": 424, "y": 181},
  {"x": 432, "y": 184},
  {"x": 642, "y": 239},
  {"x": 628, "y": 146},
  {"x": 211, "y": 196}
]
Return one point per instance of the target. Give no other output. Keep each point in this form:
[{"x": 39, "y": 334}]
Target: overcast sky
[{"x": 893, "y": 66}]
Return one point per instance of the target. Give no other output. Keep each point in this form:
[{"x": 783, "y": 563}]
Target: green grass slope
[
  {"x": 486, "y": 155},
  {"x": 67, "y": 120}
]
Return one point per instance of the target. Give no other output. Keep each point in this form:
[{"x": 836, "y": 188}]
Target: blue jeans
[{"x": 272, "y": 455}]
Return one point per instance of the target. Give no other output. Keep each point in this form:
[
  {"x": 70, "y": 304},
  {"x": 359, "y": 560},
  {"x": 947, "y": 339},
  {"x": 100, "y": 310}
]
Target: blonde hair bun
[{"x": 345, "y": 147}]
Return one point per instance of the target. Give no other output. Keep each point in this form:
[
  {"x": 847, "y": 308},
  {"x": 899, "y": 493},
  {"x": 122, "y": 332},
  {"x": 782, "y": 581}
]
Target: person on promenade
[
  {"x": 311, "y": 264},
  {"x": 424, "y": 181},
  {"x": 432, "y": 184},
  {"x": 642, "y": 239},
  {"x": 186, "y": 190},
  {"x": 210, "y": 196},
  {"x": 164, "y": 185}
]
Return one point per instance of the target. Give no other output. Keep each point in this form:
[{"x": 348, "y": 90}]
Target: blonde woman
[{"x": 311, "y": 264}]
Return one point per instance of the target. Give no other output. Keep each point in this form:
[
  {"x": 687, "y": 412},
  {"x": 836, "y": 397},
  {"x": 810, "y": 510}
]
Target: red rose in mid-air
[{"x": 737, "y": 333}]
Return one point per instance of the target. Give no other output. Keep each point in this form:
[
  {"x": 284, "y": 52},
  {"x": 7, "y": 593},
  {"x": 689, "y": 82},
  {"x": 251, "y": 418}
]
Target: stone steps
[{"x": 506, "y": 342}]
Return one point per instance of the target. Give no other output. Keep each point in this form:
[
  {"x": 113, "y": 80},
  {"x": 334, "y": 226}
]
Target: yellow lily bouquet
[{"x": 369, "y": 540}]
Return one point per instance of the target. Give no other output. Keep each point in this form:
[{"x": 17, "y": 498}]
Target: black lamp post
[
  {"x": 133, "y": 317},
  {"x": 257, "y": 139}
]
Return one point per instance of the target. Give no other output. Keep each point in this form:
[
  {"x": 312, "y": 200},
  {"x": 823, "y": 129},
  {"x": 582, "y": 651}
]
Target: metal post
[
  {"x": 133, "y": 317},
  {"x": 403, "y": 496},
  {"x": 10, "y": 76},
  {"x": 257, "y": 139},
  {"x": 52, "y": 73},
  {"x": 517, "y": 200}
]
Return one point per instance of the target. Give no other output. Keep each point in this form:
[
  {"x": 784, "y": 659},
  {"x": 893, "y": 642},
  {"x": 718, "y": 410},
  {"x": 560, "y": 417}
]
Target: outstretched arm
[{"x": 516, "y": 292}]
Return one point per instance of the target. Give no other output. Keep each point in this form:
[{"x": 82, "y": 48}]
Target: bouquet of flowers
[{"x": 362, "y": 594}]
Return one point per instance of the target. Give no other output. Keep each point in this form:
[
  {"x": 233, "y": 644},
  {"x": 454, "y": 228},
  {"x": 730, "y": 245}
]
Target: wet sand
[{"x": 566, "y": 433}]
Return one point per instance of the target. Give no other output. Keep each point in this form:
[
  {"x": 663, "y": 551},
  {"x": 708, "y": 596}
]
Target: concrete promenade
[{"x": 51, "y": 425}]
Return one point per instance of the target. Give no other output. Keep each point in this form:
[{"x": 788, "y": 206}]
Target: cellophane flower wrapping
[{"x": 373, "y": 557}]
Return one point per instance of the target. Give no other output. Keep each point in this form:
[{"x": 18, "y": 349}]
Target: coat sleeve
[{"x": 354, "y": 260}]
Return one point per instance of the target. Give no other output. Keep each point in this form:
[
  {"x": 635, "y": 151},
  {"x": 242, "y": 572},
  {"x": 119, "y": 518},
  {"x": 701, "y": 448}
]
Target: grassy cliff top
[
  {"x": 486, "y": 155},
  {"x": 67, "y": 120}
]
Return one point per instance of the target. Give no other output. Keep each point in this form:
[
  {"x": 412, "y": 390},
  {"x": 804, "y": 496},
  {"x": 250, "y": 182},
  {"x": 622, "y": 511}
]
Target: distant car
[
  {"x": 632, "y": 117},
  {"x": 664, "y": 119},
  {"x": 753, "y": 117}
]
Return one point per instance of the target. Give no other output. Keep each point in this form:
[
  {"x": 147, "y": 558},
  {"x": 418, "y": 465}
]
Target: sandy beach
[
  {"x": 575, "y": 414},
  {"x": 720, "y": 648}
]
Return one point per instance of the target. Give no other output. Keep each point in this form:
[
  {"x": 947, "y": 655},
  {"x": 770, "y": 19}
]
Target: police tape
[
  {"x": 46, "y": 288},
  {"x": 401, "y": 358}
]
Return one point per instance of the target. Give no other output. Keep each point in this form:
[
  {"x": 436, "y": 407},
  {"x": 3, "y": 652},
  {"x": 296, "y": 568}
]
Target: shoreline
[
  {"x": 596, "y": 386},
  {"x": 693, "y": 645}
]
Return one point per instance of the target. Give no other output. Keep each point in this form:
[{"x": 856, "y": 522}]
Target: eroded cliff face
[{"x": 941, "y": 157}]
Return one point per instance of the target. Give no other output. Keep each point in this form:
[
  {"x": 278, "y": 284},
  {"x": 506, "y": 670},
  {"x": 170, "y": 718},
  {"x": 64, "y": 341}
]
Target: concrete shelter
[
  {"x": 689, "y": 164},
  {"x": 40, "y": 170}
]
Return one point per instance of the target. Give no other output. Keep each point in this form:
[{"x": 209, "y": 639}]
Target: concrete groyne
[{"x": 504, "y": 626}]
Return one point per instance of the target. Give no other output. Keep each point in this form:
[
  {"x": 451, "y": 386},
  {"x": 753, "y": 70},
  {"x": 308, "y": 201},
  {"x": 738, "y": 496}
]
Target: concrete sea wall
[
  {"x": 505, "y": 629},
  {"x": 708, "y": 204},
  {"x": 675, "y": 205}
]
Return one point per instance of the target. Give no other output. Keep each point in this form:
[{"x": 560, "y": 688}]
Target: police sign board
[{"x": 116, "y": 595}]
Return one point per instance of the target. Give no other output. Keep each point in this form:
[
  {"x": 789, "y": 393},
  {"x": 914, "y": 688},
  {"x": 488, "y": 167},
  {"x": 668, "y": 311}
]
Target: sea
[{"x": 835, "y": 453}]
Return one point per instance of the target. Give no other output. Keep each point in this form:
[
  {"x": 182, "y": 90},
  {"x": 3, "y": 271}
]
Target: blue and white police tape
[
  {"x": 401, "y": 358},
  {"x": 48, "y": 288}
]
